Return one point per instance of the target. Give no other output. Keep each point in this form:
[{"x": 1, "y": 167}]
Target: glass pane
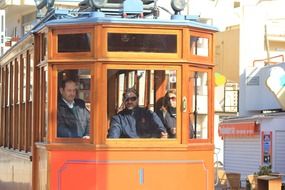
[
  {"x": 45, "y": 101},
  {"x": 74, "y": 42},
  {"x": 147, "y": 108},
  {"x": 73, "y": 116},
  {"x": 44, "y": 46},
  {"x": 199, "y": 110},
  {"x": 155, "y": 43},
  {"x": 19, "y": 79},
  {"x": 24, "y": 79},
  {"x": 9, "y": 84},
  {"x": 31, "y": 76},
  {"x": 199, "y": 46},
  {"x": 12, "y": 90}
]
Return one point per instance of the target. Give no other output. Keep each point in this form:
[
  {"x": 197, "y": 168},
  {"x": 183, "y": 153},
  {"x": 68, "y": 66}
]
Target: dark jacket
[
  {"x": 72, "y": 122},
  {"x": 136, "y": 123},
  {"x": 168, "y": 118}
]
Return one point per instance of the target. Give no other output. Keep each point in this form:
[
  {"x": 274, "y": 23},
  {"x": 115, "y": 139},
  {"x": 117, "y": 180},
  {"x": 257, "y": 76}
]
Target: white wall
[
  {"x": 221, "y": 12},
  {"x": 14, "y": 22},
  {"x": 251, "y": 48}
]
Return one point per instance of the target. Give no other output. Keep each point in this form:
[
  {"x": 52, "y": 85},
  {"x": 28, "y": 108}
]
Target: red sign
[{"x": 239, "y": 129}]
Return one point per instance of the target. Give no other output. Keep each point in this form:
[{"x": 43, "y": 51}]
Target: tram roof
[
  {"x": 115, "y": 20},
  {"x": 52, "y": 19}
]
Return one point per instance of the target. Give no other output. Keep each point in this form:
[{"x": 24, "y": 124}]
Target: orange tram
[{"x": 107, "y": 53}]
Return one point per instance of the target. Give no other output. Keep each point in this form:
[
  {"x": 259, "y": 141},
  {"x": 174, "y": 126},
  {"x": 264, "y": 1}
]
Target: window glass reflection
[
  {"x": 199, "y": 46},
  {"x": 199, "y": 110},
  {"x": 74, "y": 42}
]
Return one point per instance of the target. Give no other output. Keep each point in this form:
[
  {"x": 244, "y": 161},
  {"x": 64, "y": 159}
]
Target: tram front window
[
  {"x": 139, "y": 105},
  {"x": 73, "y": 117}
]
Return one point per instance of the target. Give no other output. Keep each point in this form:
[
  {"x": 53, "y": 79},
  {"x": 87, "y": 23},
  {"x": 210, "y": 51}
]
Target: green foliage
[{"x": 264, "y": 170}]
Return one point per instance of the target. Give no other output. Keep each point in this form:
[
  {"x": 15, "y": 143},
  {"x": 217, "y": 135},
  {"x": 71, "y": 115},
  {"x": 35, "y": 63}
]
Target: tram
[{"x": 107, "y": 52}]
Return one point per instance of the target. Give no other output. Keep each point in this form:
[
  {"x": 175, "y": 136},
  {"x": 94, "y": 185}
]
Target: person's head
[
  {"x": 170, "y": 98},
  {"x": 130, "y": 98},
  {"x": 68, "y": 90}
]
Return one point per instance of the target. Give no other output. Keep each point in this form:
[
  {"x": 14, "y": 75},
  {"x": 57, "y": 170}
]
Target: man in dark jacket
[
  {"x": 135, "y": 122},
  {"x": 72, "y": 116}
]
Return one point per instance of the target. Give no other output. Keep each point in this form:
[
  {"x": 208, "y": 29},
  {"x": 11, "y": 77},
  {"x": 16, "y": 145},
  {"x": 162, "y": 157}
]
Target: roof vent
[{"x": 133, "y": 7}]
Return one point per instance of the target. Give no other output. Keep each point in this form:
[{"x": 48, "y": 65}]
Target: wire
[{"x": 166, "y": 10}]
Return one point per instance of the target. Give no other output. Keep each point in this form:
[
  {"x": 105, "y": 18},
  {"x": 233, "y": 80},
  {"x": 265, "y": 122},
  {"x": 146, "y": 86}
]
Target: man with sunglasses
[{"x": 134, "y": 121}]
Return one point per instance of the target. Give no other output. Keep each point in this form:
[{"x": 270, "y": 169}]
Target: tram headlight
[
  {"x": 97, "y": 3},
  {"x": 178, "y": 5}
]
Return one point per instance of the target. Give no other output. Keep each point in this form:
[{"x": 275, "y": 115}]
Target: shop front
[{"x": 251, "y": 142}]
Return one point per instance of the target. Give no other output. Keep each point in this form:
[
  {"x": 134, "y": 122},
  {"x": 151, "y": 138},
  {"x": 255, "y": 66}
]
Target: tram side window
[
  {"x": 199, "y": 46},
  {"x": 73, "y": 111},
  {"x": 137, "y": 105},
  {"x": 199, "y": 111},
  {"x": 16, "y": 117}
]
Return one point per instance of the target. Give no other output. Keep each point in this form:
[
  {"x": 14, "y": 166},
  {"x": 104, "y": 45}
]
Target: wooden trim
[
  {"x": 185, "y": 94},
  {"x": 147, "y": 89},
  {"x": 137, "y": 147},
  {"x": 100, "y": 107}
]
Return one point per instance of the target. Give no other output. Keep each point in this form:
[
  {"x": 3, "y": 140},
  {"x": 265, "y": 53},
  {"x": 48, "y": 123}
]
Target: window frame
[
  {"x": 75, "y": 55},
  {"x": 197, "y": 58},
  {"x": 151, "y": 142},
  {"x": 210, "y": 114},
  {"x": 53, "y": 97}
]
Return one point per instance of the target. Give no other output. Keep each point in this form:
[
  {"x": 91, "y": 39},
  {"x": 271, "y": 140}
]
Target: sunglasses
[
  {"x": 172, "y": 98},
  {"x": 131, "y": 99}
]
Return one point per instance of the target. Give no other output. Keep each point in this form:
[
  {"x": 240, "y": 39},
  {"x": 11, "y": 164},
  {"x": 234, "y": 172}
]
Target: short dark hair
[
  {"x": 63, "y": 82},
  {"x": 129, "y": 90}
]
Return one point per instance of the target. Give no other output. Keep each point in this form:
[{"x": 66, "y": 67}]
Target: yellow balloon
[{"x": 219, "y": 79}]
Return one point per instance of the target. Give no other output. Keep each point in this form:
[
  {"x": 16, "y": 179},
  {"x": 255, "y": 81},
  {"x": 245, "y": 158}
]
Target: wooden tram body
[{"x": 31, "y": 154}]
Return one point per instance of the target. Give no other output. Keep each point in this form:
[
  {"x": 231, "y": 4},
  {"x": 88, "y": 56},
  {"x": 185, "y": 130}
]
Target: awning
[{"x": 250, "y": 128}]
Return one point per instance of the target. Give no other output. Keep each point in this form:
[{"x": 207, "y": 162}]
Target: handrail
[{"x": 266, "y": 61}]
